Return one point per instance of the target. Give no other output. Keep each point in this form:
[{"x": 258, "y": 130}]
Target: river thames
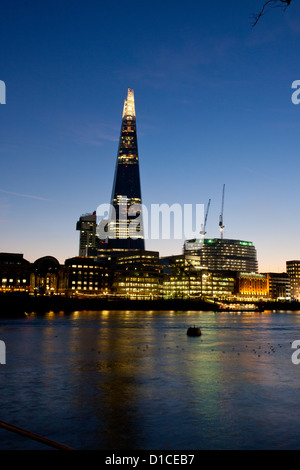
[{"x": 123, "y": 380}]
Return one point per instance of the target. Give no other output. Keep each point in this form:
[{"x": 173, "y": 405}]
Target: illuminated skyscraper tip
[{"x": 129, "y": 107}]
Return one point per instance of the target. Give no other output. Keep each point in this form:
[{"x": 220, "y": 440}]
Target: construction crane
[
  {"x": 221, "y": 215},
  {"x": 203, "y": 232}
]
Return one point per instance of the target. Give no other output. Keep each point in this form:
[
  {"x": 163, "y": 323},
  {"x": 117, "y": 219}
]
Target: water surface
[{"x": 135, "y": 380}]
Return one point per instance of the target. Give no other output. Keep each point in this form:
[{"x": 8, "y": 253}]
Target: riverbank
[
  {"x": 15, "y": 305},
  {"x": 18, "y": 304}
]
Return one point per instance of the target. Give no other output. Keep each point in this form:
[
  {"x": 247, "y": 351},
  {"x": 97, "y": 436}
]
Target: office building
[
  {"x": 185, "y": 278},
  {"x": 15, "y": 273},
  {"x": 88, "y": 239},
  {"x": 252, "y": 286},
  {"x": 293, "y": 270},
  {"x": 125, "y": 228},
  {"x": 224, "y": 255},
  {"x": 279, "y": 286},
  {"x": 137, "y": 276},
  {"x": 85, "y": 276}
]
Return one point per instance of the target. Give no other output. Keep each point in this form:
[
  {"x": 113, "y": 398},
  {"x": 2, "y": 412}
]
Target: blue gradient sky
[{"x": 213, "y": 103}]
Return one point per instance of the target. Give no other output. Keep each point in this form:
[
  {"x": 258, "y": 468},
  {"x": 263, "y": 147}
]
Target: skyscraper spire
[
  {"x": 129, "y": 106},
  {"x": 125, "y": 227}
]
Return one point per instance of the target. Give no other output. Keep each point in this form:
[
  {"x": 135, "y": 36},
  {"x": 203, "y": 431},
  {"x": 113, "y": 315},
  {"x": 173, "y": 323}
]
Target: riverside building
[
  {"x": 219, "y": 254},
  {"x": 279, "y": 286},
  {"x": 293, "y": 270},
  {"x": 85, "y": 276},
  {"x": 252, "y": 286},
  {"x": 137, "y": 276},
  {"x": 15, "y": 273},
  {"x": 185, "y": 278}
]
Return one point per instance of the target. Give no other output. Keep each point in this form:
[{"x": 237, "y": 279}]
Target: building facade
[
  {"x": 279, "y": 286},
  {"x": 85, "y": 276},
  {"x": 15, "y": 273},
  {"x": 251, "y": 286},
  {"x": 224, "y": 255},
  {"x": 293, "y": 270},
  {"x": 88, "y": 239},
  {"x": 125, "y": 226},
  {"x": 137, "y": 276},
  {"x": 185, "y": 278},
  {"x": 44, "y": 278},
  {"x": 141, "y": 275}
]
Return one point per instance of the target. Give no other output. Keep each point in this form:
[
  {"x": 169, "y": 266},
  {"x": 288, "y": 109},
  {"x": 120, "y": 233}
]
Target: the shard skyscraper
[{"x": 125, "y": 228}]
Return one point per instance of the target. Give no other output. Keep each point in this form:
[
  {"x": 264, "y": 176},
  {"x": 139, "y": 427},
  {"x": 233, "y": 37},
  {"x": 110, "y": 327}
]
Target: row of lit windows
[
  {"x": 139, "y": 280},
  {"x": 134, "y": 289},
  {"x": 80, "y": 273},
  {"x": 80, "y": 266},
  {"x": 131, "y": 284},
  {"x": 84, "y": 282},
  {"x": 84, "y": 288}
]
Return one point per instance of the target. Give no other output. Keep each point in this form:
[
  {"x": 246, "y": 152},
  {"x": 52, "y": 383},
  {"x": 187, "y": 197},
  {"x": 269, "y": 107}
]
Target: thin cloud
[
  {"x": 24, "y": 195},
  {"x": 167, "y": 66},
  {"x": 91, "y": 135},
  {"x": 97, "y": 134}
]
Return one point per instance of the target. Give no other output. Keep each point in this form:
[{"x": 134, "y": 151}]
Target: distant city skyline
[{"x": 213, "y": 105}]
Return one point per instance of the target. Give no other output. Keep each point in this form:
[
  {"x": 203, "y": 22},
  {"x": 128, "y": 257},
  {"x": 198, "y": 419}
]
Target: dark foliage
[{"x": 283, "y": 4}]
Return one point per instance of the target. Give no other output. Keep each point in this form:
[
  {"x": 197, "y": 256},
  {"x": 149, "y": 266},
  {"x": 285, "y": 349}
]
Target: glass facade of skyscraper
[{"x": 125, "y": 228}]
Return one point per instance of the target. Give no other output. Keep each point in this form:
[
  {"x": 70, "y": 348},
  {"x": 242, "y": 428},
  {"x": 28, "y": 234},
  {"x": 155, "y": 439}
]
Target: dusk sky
[{"x": 213, "y": 105}]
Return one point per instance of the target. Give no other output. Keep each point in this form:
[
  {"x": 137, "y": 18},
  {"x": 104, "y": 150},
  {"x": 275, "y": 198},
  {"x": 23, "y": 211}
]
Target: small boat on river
[{"x": 193, "y": 331}]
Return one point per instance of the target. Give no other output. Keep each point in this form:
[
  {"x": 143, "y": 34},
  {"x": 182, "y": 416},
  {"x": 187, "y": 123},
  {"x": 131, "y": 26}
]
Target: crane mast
[
  {"x": 221, "y": 224},
  {"x": 203, "y": 231}
]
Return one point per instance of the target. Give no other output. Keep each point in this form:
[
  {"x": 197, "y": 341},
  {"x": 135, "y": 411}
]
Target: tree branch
[{"x": 284, "y": 4}]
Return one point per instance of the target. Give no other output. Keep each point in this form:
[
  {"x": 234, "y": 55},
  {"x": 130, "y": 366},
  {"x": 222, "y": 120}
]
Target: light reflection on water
[{"x": 135, "y": 380}]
